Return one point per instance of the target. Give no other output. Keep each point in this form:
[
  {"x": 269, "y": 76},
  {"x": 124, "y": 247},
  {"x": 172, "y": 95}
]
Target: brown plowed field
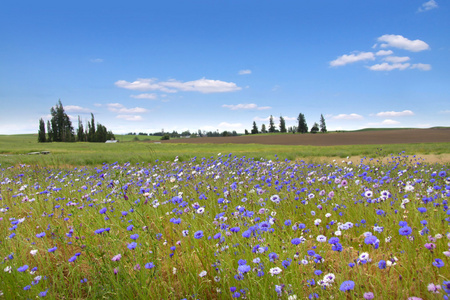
[{"x": 397, "y": 136}]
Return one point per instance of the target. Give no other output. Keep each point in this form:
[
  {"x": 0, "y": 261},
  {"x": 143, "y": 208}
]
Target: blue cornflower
[
  {"x": 235, "y": 229},
  {"x": 317, "y": 272},
  {"x": 242, "y": 262},
  {"x": 103, "y": 210},
  {"x": 337, "y": 247},
  {"x": 296, "y": 241},
  {"x": 287, "y": 222},
  {"x": 406, "y": 230},
  {"x": 247, "y": 234},
  {"x": 382, "y": 264},
  {"x": 244, "y": 268},
  {"x": 333, "y": 240},
  {"x": 273, "y": 256},
  {"x": 26, "y": 288},
  {"x": 402, "y": 223},
  {"x": 22, "y": 268},
  {"x": 134, "y": 236},
  {"x": 446, "y": 286},
  {"x": 40, "y": 235},
  {"x": 422, "y": 209},
  {"x": 43, "y": 294},
  {"x": 347, "y": 285},
  {"x": 198, "y": 234},
  {"x": 351, "y": 265},
  {"x": 217, "y": 236},
  {"x": 132, "y": 245},
  {"x": 73, "y": 258},
  {"x": 286, "y": 263},
  {"x": 130, "y": 228},
  {"x": 370, "y": 240},
  {"x": 149, "y": 265},
  {"x": 438, "y": 263},
  {"x": 100, "y": 231}
]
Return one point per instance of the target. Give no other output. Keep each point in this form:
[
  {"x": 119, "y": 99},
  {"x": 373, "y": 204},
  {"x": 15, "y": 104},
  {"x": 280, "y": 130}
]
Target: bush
[{"x": 165, "y": 137}]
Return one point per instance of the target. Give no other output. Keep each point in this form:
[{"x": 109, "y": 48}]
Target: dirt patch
[{"x": 400, "y": 136}]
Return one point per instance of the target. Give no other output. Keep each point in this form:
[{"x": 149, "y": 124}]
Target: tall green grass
[{"x": 14, "y": 149}]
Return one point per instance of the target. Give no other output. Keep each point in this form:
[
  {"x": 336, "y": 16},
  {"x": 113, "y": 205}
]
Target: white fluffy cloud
[
  {"x": 351, "y": 58},
  {"x": 245, "y": 106},
  {"x": 77, "y": 109},
  {"x": 245, "y": 72},
  {"x": 399, "y": 66},
  {"x": 97, "y": 60},
  {"x": 422, "y": 67},
  {"x": 119, "y": 108},
  {"x": 384, "y": 52},
  {"x": 395, "y": 113},
  {"x": 229, "y": 125},
  {"x": 398, "y": 41},
  {"x": 202, "y": 85},
  {"x": 348, "y": 117},
  {"x": 385, "y": 122},
  {"x": 385, "y": 60},
  {"x": 428, "y": 6},
  {"x": 396, "y": 59},
  {"x": 389, "y": 67},
  {"x": 130, "y": 117},
  {"x": 145, "y": 96}
]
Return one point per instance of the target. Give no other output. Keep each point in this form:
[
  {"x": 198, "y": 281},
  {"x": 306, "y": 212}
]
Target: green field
[{"x": 14, "y": 149}]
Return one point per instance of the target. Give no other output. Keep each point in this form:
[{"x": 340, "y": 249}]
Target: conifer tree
[
  {"x": 41, "y": 132},
  {"x": 254, "y": 128},
  {"x": 263, "y": 128},
  {"x": 80, "y": 131},
  {"x": 62, "y": 130},
  {"x": 302, "y": 126},
  {"x": 282, "y": 125},
  {"x": 271, "y": 125},
  {"x": 323, "y": 126}
]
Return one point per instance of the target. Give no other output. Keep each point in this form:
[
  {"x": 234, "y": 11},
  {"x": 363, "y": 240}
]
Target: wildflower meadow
[{"x": 225, "y": 227}]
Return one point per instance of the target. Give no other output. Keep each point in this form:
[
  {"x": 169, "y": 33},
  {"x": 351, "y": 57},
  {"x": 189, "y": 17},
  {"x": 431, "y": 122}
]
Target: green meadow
[{"x": 14, "y": 149}]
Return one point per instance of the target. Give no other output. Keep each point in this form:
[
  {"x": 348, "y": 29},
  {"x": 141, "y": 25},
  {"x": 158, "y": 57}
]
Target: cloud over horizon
[
  {"x": 347, "y": 117},
  {"x": 395, "y": 113},
  {"x": 245, "y": 106},
  {"x": 202, "y": 85}
]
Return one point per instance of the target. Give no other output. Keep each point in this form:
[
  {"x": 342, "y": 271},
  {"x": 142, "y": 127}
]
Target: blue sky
[{"x": 144, "y": 66}]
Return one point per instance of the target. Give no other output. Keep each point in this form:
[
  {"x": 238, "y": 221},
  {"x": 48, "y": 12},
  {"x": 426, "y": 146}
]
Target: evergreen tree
[
  {"x": 41, "y": 132},
  {"x": 80, "y": 131},
  {"x": 62, "y": 130},
  {"x": 49, "y": 132},
  {"x": 263, "y": 128},
  {"x": 315, "y": 128},
  {"x": 271, "y": 125},
  {"x": 323, "y": 127},
  {"x": 254, "y": 128},
  {"x": 282, "y": 125},
  {"x": 302, "y": 126},
  {"x": 246, "y": 132},
  {"x": 91, "y": 129}
]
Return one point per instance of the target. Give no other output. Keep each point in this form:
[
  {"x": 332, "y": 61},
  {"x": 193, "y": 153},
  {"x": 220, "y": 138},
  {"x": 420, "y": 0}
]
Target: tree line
[
  {"x": 60, "y": 129},
  {"x": 302, "y": 126}
]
